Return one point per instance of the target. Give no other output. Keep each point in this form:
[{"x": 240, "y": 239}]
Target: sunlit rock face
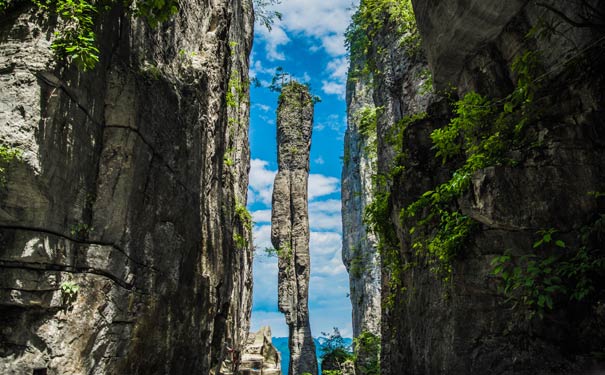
[
  {"x": 290, "y": 222},
  {"x": 260, "y": 356},
  {"x": 465, "y": 325},
  {"x": 118, "y": 223},
  {"x": 359, "y": 251}
]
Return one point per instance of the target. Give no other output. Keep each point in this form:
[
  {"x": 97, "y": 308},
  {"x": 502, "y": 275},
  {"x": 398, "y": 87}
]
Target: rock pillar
[{"x": 290, "y": 221}]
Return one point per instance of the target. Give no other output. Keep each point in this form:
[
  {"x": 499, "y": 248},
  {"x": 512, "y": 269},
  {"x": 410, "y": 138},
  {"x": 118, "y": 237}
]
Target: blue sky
[{"x": 309, "y": 44}]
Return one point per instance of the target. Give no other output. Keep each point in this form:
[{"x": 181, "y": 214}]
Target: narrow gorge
[{"x": 136, "y": 172}]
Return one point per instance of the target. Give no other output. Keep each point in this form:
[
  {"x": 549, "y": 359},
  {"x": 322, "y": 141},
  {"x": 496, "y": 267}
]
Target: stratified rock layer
[
  {"x": 290, "y": 222},
  {"x": 123, "y": 191}
]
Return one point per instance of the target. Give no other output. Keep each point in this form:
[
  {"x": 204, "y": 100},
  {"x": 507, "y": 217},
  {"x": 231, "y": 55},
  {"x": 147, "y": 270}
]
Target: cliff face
[
  {"x": 125, "y": 247},
  {"x": 290, "y": 222},
  {"x": 359, "y": 252},
  {"x": 474, "y": 283}
]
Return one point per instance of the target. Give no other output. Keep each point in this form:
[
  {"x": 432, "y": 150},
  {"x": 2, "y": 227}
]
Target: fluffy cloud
[
  {"x": 261, "y": 182},
  {"x": 333, "y": 122},
  {"x": 324, "y": 20},
  {"x": 320, "y": 185},
  {"x": 273, "y": 39},
  {"x": 261, "y": 216},
  {"x": 325, "y": 215},
  {"x": 334, "y": 88}
]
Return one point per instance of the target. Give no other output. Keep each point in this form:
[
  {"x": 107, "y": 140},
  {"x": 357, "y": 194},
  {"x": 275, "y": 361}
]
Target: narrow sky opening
[{"x": 309, "y": 44}]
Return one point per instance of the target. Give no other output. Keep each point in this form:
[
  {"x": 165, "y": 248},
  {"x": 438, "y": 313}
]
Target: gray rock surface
[
  {"x": 359, "y": 252},
  {"x": 465, "y": 326},
  {"x": 290, "y": 222},
  {"x": 124, "y": 192},
  {"x": 260, "y": 356}
]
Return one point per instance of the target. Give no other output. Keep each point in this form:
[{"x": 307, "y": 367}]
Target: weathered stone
[
  {"x": 122, "y": 191},
  {"x": 464, "y": 326},
  {"x": 260, "y": 356},
  {"x": 359, "y": 252},
  {"x": 290, "y": 222}
]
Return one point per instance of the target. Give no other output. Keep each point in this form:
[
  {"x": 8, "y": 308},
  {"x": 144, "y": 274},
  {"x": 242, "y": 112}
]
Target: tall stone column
[{"x": 290, "y": 221}]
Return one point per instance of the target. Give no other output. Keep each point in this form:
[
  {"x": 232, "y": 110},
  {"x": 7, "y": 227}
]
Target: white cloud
[
  {"x": 261, "y": 237},
  {"x": 324, "y": 244},
  {"x": 262, "y": 107},
  {"x": 261, "y": 182},
  {"x": 333, "y": 122},
  {"x": 261, "y": 216},
  {"x": 334, "y": 44},
  {"x": 339, "y": 68},
  {"x": 274, "y": 39},
  {"x": 320, "y": 185},
  {"x": 320, "y": 19},
  {"x": 319, "y": 160},
  {"x": 325, "y": 215},
  {"x": 334, "y": 88}
]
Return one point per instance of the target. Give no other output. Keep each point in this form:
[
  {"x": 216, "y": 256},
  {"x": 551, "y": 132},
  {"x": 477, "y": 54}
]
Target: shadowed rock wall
[
  {"x": 465, "y": 325},
  {"x": 123, "y": 190}
]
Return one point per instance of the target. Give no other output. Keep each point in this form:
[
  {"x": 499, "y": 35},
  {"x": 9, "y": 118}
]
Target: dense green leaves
[
  {"x": 553, "y": 274},
  {"x": 369, "y": 20},
  {"x": 7, "y": 155},
  {"x": 76, "y": 40}
]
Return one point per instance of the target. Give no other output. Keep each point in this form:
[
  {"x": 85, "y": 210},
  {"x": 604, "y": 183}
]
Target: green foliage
[
  {"x": 334, "y": 351},
  {"x": 235, "y": 90},
  {"x": 367, "y": 353},
  {"x": 358, "y": 264},
  {"x": 245, "y": 219},
  {"x": 244, "y": 216},
  {"x": 479, "y": 135},
  {"x": 367, "y": 119},
  {"x": 76, "y": 41},
  {"x": 69, "y": 292},
  {"x": 240, "y": 241},
  {"x": 553, "y": 275},
  {"x": 7, "y": 155},
  {"x": 369, "y": 20},
  {"x": 80, "y": 230},
  {"x": 331, "y": 372},
  {"x": 265, "y": 16},
  {"x": 427, "y": 82}
]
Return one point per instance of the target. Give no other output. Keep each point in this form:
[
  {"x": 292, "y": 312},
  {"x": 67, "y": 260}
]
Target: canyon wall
[
  {"x": 125, "y": 245},
  {"x": 491, "y": 249}
]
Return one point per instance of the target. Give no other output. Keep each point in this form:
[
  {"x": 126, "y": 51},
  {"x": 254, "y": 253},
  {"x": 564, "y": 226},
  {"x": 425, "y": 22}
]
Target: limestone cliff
[
  {"x": 290, "y": 222},
  {"x": 124, "y": 240},
  {"x": 493, "y": 265},
  {"x": 359, "y": 252}
]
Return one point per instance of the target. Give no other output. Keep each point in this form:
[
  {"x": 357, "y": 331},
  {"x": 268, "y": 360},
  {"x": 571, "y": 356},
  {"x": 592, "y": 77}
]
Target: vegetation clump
[
  {"x": 76, "y": 40},
  {"x": 7, "y": 155},
  {"x": 369, "y": 20}
]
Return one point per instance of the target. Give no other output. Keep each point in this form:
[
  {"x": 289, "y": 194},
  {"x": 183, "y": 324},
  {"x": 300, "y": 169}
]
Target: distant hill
[{"x": 281, "y": 344}]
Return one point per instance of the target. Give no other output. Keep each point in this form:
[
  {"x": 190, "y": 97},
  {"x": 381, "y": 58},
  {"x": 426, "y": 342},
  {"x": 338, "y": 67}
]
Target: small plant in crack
[{"x": 69, "y": 293}]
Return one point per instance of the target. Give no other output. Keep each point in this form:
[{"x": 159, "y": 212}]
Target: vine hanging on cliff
[
  {"x": 76, "y": 40},
  {"x": 370, "y": 19}
]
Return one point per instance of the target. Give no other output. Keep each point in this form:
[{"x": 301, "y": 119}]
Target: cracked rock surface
[
  {"x": 122, "y": 192},
  {"x": 290, "y": 222}
]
